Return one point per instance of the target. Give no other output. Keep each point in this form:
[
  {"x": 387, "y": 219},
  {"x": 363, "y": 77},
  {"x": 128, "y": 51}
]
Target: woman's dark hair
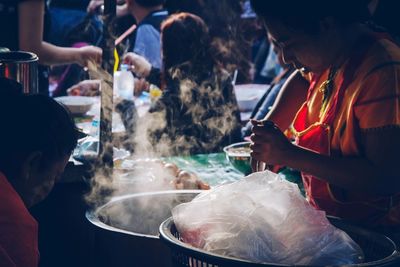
[
  {"x": 32, "y": 123},
  {"x": 186, "y": 46},
  {"x": 305, "y": 15},
  {"x": 231, "y": 46}
]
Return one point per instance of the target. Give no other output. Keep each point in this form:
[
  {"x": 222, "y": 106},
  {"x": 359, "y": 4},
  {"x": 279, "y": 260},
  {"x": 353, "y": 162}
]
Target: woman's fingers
[{"x": 269, "y": 144}]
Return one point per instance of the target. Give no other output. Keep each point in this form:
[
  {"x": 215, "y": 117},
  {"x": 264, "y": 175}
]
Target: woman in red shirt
[{"x": 346, "y": 119}]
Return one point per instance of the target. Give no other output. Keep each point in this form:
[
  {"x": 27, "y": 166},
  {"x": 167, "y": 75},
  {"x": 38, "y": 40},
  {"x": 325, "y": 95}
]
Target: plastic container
[
  {"x": 124, "y": 83},
  {"x": 95, "y": 126},
  {"x": 378, "y": 249}
]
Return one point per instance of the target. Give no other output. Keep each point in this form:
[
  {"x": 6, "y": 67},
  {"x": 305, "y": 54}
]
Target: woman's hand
[
  {"x": 140, "y": 86},
  {"x": 269, "y": 144},
  {"x": 85, "y": 88},
  {"x": 140, "y": 66},
  {"x": 89, "y": 54}
]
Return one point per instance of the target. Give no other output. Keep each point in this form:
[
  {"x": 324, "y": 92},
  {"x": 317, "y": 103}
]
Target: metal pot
[
  {"x": 126, "y": 228},
  {"x": 22, "y": 67}
]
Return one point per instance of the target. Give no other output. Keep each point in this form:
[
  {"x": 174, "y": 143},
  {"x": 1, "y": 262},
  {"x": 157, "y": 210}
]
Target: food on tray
[
  {"x": 182, "y": 179},
  {"x": 187, "y": 180},
  {"x": 159, "y": 171},
  {"x": 172, "y": 168}
]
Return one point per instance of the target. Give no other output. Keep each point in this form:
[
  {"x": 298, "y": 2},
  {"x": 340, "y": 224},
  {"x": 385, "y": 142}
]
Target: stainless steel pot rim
[
  {"x": 91, "y": 215},
  {"x": 151, "y": 193},
  {"x": 236, "y": 144},
  {"x": 17, "y": 57}
]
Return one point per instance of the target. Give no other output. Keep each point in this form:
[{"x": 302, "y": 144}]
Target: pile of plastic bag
[{"x": 263, "y": 218}]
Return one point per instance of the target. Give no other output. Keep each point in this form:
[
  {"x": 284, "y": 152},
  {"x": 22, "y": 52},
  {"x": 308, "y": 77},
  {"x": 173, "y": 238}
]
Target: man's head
[
  {"x": 36, "y": 140},
  {"x": 310, "y": 32},
  {"x": 141, "y": 8}
]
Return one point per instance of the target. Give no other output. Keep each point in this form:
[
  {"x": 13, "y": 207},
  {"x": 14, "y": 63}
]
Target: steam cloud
[{"x": 148, "y": 173}]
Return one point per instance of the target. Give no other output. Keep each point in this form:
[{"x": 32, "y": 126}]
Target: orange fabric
[
  {"x": 18, "y": 229},
  {"x": 336, "y": 130},
  {"x": 371, "y": 101}
]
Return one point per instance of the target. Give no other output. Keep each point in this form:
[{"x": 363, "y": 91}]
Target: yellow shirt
[{"x": 370, "y": 101}]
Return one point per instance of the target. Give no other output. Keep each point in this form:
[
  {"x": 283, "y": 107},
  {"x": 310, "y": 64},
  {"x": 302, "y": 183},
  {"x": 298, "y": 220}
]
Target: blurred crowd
[
  {"x": 238, "y": 37},
  {"x": 235, "y": 43},
  {"x": 329, "y": 112}
]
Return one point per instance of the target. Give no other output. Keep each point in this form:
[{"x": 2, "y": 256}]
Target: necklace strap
[{"x": 327, "y": 87}]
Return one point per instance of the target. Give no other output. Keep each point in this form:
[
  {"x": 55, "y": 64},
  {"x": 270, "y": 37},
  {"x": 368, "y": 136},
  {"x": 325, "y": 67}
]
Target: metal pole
[{"x": 106, "y": 110}]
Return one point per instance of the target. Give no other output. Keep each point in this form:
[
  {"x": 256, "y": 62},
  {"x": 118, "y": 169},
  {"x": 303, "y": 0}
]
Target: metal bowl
[
  {"x": 126, "y": 228},
  {"x": 77, "y": 105},
  {"x": 238, "y": 154}
]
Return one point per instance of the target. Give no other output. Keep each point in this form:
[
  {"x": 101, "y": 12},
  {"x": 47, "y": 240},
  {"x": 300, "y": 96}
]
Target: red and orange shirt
[
  {"x": 18, "y": 230},
  {"x": 371, "y": 101}
]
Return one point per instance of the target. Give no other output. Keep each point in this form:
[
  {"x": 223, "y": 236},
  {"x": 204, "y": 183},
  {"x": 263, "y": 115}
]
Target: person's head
[
  {"x": 36, "y": 140},
  {"x": 310, "y": 33},
  {"x": 185, "y": 41},
  {"x": 141, "y": 8}
]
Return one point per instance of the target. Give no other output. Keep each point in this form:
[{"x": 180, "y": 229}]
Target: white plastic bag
[{"x": 263, "y": 218}]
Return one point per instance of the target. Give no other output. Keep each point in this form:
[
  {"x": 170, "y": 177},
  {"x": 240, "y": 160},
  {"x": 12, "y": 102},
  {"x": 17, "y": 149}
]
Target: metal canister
[{"x": 22, "y": 67}]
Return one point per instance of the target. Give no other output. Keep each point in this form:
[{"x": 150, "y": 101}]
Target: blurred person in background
[
  {"x": 36, "y": 143},
  {"x": 123, "y": 20},
  {"x": 189, "y": 6},
  {"x": 197, "y": 111},
  {"x": 344, "y": 110},
  {"x": 266, "y": 102},
  {"x": 70, "y": 23},
  {"x": 23, "y": 29},
  {"x": 143, "y": 46},
  {"x": 230, "y": 36},
  {"x": 145, "y": 40},
  {"x": 226, "y": 32},
  {"x": 70, "y": 4},
  {"x": 70, "y": 26},
  {"x": 271, "y": 67},
  {"x": 96, "y": 6}
]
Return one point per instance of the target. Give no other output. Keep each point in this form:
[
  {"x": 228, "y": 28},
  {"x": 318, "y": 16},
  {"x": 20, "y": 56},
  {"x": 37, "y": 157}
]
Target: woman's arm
[
  {"x": 31, "y": 19},
  {"x": 377, "y": 172},
  {"x": 290, "y": 98}
]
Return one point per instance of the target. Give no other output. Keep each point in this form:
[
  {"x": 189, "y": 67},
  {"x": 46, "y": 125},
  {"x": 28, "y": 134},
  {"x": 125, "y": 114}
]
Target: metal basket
[{"x": 378, "y": 249}]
